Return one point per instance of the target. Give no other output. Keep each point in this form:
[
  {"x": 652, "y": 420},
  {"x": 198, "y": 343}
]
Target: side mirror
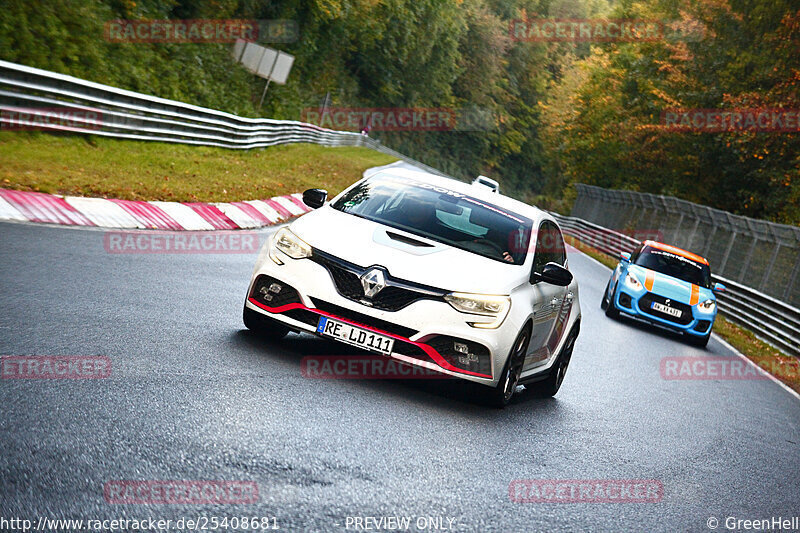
[
  {"x": 625, "y": 256},
  {"x": 315, "y": 198},
  {"x": 718, "y": 287},
  {"x": 554, "y": 274}
]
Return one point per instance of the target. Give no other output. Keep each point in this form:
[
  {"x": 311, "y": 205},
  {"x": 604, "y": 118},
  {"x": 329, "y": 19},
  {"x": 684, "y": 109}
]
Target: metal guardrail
[
  {"x": 97, "y": 109},
  {"x": 771, "y": 320}
]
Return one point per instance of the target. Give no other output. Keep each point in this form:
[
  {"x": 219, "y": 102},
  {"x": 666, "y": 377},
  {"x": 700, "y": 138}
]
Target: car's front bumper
[
  {"x": 636, "y": 304},
  {"x": 424, "y": 331}
]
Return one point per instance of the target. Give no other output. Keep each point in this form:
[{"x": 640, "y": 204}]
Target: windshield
[
  {"x": 441, "y": 215},
  {"x": 676, "y": 266}
]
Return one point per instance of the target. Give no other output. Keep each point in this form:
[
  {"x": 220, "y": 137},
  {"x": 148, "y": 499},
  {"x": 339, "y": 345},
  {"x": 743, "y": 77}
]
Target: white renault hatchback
[{"x": 429, "y": 271}]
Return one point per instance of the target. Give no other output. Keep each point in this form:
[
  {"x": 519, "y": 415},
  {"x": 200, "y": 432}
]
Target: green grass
[
  {"x": 135, "y": 170},
  {"x": 782, "y": 366}
]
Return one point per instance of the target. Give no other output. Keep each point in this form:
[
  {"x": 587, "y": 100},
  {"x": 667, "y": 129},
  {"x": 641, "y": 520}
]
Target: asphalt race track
[{"x": 194, "y": 396}]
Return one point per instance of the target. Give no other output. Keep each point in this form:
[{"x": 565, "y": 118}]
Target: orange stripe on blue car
[
  {"x": 695, "y": 298},
  {"x": 649, "y": 280}
]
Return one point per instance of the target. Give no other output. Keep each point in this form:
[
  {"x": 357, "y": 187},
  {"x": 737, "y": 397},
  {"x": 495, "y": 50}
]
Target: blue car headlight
[
  {"x": 632, "y": 282},
  {"x": 709, "y": 306}
]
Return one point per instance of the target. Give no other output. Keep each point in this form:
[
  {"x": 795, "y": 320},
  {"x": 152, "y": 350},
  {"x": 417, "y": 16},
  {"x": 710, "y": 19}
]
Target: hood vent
[{"x": 407, "y": 240}]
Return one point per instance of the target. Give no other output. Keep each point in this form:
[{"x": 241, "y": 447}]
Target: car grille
[
  {"x": 645, "y": 306},
  {"x": 442, "y": 344},
  {"x": 361, "y": 318},
  {"x": 395, "y": 296},
  {"x": 304, "y": 316},
  {"x": 410, "y": 350}
]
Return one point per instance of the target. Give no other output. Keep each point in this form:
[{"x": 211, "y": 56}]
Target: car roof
[
  {"x": 481, "y": 193},
  {"x": 677, "y": 251}
]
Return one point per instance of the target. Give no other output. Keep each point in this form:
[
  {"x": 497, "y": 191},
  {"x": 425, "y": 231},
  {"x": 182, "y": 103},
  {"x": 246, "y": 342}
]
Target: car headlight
[
  {"x": 290, "y": 244},
  {"x": 632, "y": 282},
  {"x": 480, "y": 304},
  {"x": 707, "y": 307}
]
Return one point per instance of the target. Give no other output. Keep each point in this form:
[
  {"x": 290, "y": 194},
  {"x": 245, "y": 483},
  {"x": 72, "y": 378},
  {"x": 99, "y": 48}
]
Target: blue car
[{"x": 666, "y": 286}]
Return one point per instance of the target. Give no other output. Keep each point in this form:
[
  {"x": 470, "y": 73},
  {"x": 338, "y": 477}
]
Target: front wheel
[
  {"x": 549, "y": 387},
  {"x": 501, "y": 395},
  {"x": 604, "y": 301},
  {"x": 611, "y": 308}
]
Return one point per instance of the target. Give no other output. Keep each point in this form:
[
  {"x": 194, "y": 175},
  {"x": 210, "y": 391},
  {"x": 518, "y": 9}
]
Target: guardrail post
[
  {"x": 747, "y": 259},
  {"x": 727, "y": 252},
  {"x": 789, "y": 286},
  {"x": 694, "y": 231},
  {"x": 678, "y": 229},
  {"x": 710, "y": 238},
  {"x": 768, "y": 271},
  {"x": 595, "y": 209}
]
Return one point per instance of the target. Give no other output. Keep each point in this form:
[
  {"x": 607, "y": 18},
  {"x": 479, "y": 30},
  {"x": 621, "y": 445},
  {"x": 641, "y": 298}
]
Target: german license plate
[
  {"x": 667, "y": 309},
  {"x": 363, "y": 338}
]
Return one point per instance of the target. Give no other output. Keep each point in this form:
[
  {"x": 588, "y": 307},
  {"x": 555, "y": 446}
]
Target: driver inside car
[{"x": 493, "y": 236}]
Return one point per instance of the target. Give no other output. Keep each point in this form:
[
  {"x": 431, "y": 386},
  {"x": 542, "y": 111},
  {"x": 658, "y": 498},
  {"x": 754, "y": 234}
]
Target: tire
[
  {"x": 700, "y": 342},
  {"x": 604, "y": 301},
  {"x": 611, "y": 308},
  {"x": 503, "y": 392},
  {"x": 549, "y": 387},
  {"x": 263, "y": 326}
]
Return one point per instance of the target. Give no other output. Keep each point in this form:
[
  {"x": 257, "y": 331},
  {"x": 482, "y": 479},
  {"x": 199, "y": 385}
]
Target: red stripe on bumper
[{"x": 433, "y": 354}]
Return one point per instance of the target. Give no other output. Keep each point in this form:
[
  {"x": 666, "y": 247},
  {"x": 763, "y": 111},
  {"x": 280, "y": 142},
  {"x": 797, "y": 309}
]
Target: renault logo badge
[{"x": 373, "y": 282}]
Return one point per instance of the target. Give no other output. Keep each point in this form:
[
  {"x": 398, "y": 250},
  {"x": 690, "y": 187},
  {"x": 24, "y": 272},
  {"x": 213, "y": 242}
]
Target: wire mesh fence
[{"x": 758, "y": 254}]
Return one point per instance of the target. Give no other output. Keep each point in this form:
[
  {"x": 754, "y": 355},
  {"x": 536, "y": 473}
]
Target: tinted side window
[
  {"x": 549, "y": 247},
  {"x": 540, "y": 255},
  {"x": 545, "y": 246},
  {"x": 559, "y": 252}
]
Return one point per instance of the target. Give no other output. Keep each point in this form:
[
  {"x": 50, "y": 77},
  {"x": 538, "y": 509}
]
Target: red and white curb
[{"x": 176, "y": 216}]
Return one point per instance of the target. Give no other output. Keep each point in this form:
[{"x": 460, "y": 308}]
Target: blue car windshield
[
  {"x": 675, "y": 265},
  {"x": 441, "y": 215}
]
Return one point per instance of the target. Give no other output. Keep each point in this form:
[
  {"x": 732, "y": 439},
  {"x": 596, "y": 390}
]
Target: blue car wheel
[
  {"x": 604, "y": 300},
  {"x": 611, "y": 308}
]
